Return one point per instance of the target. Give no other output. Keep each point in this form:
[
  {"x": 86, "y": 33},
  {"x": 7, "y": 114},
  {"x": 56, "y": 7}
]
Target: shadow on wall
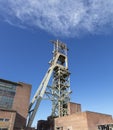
[
  {"x": 20, "y": 122},
  {"x": 46, "y": 124}
]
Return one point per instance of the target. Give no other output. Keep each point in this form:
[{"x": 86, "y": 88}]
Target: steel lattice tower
[
  {"x": 61, "y": 83},
  {"x": 59, "y": 90}
]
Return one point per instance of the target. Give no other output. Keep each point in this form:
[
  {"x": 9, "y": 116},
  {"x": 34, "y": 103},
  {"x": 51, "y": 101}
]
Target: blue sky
[{"x": 25, "y": 48}]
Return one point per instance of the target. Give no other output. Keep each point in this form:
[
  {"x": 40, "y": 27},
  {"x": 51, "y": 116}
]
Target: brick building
[
  {"x": 76, "y": 120},
  {"x": 14, "y": 102}
]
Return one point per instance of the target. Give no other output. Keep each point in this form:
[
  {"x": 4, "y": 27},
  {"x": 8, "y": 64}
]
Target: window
[
  {"x": 3, "y": 128},
  {"x": 1, "y": 119},
  {"x": 4, "y": 119},
  {"x": 7, "y": 93},
  {"x": 59, "y": 128}
]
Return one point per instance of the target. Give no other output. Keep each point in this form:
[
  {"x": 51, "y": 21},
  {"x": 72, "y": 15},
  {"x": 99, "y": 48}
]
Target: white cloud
[{"x": 60, "y": 17}]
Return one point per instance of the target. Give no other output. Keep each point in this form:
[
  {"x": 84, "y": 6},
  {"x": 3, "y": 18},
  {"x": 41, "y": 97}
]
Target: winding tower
[
  {"x": 59, "y": 90},
  {"x": 61, "y": 83}
]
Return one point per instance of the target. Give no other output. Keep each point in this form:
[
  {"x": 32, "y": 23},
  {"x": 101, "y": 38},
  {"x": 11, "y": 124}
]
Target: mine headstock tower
[{"x": 59, "y": 90}]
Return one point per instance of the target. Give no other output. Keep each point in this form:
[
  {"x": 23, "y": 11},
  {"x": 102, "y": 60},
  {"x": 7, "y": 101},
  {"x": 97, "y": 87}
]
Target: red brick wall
[
  {"x": 20, "y": 122},
  {"x": 72, "y": 122},
  {"x": 73, "y": 108},
  {"x": 82, "y": 121},
  {"x": 46, "y": 124},
  {"x": 21, "y": 104},
  {"x": 7, "y": 115},
  {"x": 95, "y": 119},
  {"x": 19, "y": 111},
  {"x": 21, "y": 99}
]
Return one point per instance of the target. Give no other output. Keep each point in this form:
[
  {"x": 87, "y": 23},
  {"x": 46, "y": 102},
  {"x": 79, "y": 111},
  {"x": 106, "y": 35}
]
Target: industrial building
[
  {"x": 18, "y": 113},
  {"x": 65, "y": 114},
  {"x": 77, "y": 120},
  {"x": 14, "y": 102}
]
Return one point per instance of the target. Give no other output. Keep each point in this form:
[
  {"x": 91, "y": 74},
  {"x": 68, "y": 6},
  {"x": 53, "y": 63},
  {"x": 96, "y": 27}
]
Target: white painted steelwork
[{"x": 59, "y": 91}]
